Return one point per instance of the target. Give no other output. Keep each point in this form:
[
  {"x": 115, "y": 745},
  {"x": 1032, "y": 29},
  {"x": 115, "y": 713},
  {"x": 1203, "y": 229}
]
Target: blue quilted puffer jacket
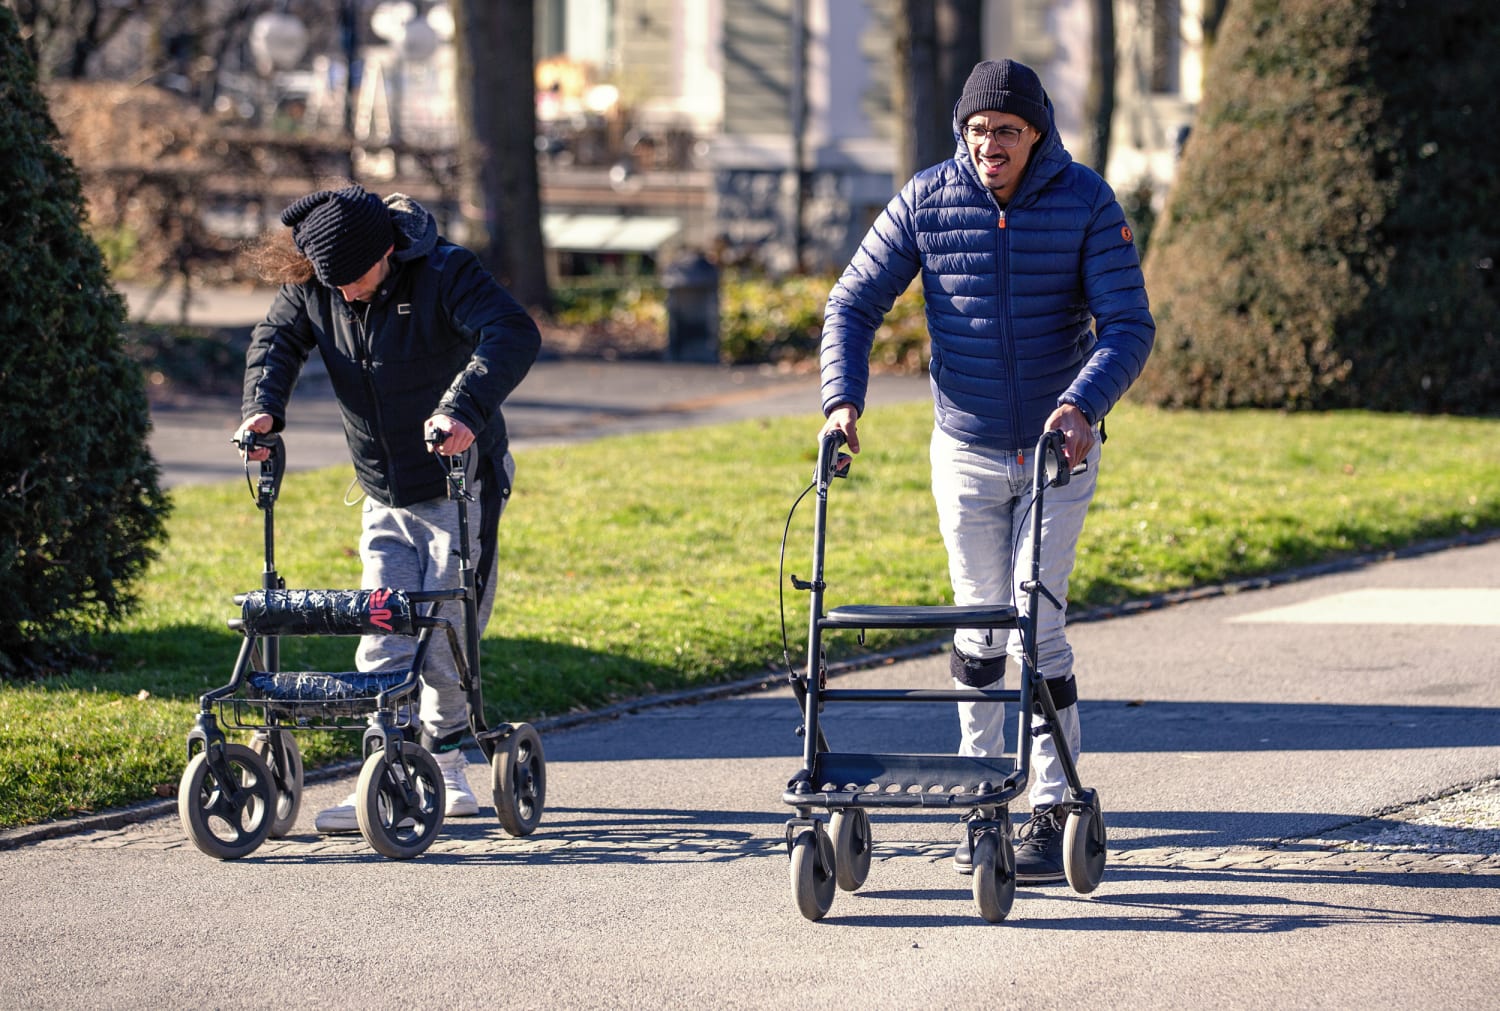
[{"x": 1028, "y": 307}]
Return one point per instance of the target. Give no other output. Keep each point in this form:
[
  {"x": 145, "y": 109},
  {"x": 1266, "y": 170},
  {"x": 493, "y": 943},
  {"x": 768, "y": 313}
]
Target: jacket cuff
[{"x": 1088, "y": 415}]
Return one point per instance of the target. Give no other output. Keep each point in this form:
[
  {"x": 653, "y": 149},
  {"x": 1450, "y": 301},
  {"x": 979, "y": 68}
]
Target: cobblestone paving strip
[{"x": 1455, "y": 834}]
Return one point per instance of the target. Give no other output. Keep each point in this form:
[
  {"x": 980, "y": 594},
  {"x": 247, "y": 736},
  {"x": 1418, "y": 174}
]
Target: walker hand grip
[
  {"x": 830, "y": 461},
  {"x": 246, "y": 441},
  {"x": 1052, "y": 457}
]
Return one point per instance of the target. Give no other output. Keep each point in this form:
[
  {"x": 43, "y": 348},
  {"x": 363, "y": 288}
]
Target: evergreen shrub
[
  {"x": 80, "y": 502},
  {"x": 1331, "y": 241},
  {"x": 781, "y": 321}
]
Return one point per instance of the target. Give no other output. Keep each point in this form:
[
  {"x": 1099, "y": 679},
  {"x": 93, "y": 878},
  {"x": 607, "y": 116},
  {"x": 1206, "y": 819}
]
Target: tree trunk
[
  {"x": 937, "y": 44},
  {"x": 915, "y": 90},
  {"x": 1099, "y": 108},
  {"x": 500, "y": 187},
  {"x": 960, "y": 45}
]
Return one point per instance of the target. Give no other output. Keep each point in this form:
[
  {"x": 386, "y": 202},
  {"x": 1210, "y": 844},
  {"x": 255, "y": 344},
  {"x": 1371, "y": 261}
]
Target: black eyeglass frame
[{"x": 970, "y": 130}]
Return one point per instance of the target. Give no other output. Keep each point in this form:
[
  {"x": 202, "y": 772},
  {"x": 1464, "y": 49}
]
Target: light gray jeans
[
  {"x": 983, "y": 501},
  {"x": 416, "y": 548}
]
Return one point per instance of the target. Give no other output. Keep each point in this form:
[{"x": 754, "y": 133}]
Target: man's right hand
[
  {"x": 260, "y": 424},
  {"x": 842, "y": 419}
]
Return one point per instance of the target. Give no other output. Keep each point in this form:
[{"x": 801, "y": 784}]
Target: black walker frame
[
  {"x": 233, "y": 797},
  {"x": 847, "y": 785}
]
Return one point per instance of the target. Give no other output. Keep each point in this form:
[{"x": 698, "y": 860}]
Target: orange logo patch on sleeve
[{"x": 1125, "y": 233}]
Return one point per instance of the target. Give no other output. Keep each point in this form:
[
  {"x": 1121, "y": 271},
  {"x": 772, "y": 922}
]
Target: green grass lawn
[{"x": 647, "y": 563}]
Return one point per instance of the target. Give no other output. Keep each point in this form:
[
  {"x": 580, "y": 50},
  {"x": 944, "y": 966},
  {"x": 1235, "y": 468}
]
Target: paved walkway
[{"x": 561, "y": 399}]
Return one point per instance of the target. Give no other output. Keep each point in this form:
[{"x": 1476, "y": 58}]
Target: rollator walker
[
  {"x": 848, "y": 785},
  {"x": 233, "y": 797}
]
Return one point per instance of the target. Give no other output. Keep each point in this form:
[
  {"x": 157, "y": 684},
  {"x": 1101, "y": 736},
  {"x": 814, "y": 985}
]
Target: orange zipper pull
[{"x": 1002, "y": 220}]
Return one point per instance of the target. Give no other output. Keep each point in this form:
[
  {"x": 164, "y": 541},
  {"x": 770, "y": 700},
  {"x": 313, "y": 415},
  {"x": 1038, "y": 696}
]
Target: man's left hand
[
  {"x": 460, "y": 436},
  {"x": 1078, "y": 434}
]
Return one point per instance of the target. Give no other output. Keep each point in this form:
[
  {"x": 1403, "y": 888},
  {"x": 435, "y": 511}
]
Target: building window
[{"x": 1165, "y": 20}]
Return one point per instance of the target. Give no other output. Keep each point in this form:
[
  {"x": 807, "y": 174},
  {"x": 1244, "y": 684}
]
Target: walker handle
[
  {"x": 1052, "y": 457},
  {"x": 246, "y": 441},
  {"x": 272, "y": 469},
  {"x": 830, "y": 460}
]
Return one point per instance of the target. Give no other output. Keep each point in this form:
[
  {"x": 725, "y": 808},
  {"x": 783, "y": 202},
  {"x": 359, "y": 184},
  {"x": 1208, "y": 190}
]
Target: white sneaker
[
  {"x": 339, "y": 818},
  {"x": 460, "y": 799}
]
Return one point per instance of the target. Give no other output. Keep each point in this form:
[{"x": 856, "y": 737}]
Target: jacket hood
[
  {"x": 416, "y": 228},
  {"x": 1048, "y": 157}
]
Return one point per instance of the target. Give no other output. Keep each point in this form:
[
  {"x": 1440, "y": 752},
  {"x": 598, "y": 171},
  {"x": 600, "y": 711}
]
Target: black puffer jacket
[{"x": 440, "y": 337}]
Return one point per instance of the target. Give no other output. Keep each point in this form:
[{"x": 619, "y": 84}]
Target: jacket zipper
[
  {"x": 1002, "y": 251},
  {"x": 365, "y": 346}
]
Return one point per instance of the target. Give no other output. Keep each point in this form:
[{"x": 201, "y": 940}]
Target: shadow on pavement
[{"x": 761, "y": 727}]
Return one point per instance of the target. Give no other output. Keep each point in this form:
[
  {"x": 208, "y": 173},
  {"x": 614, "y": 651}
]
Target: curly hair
[{"x": 276, "y": 260}]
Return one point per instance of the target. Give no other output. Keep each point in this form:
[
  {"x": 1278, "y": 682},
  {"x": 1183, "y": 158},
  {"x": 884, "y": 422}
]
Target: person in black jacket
[{"x": 416, "y": 337}]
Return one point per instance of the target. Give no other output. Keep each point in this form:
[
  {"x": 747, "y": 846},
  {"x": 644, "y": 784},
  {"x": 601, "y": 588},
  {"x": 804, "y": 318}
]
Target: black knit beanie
[
  {"x": 343, "y": 232},
  {"x": 1005, "y": 86}
]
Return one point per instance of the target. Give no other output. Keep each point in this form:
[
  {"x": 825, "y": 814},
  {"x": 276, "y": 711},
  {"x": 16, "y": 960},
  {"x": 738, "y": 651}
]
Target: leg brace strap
[
  {"x": 976, "y": 672},
  {"x": 1064, "y": 692}
]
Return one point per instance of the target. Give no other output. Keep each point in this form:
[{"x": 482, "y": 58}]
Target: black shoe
[
  {"x": 963, "y": 857},
  {"x": 1039, "y": 847}
]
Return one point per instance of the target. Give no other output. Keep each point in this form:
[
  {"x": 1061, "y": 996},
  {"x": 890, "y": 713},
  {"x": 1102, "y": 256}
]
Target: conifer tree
[
  {"x": 1331, "y": 240},
  {"x": 80, "y": 503}
]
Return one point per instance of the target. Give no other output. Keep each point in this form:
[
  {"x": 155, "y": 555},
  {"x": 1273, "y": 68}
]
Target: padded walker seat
[{"x": 916, "y": 616}]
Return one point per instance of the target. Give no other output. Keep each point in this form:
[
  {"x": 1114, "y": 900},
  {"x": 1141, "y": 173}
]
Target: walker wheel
[
  {"x": 1084, "y": 846},
  {"x": 994, "y": 875},
  {"x": 400, "y": 815},
  {"x": 851, "y": 847},
  {"x": 518, "y": 780},
  {"x": 812, "y": 872},
  {"x": 288, "y": 781},
  {"x": 227, "y": 819}
]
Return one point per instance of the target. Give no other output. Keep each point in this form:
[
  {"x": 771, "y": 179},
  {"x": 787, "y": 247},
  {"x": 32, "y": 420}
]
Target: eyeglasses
[{"x": 1005, "y": 136}]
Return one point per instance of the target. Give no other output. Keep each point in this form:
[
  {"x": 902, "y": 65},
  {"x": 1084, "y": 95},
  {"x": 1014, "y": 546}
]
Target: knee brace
[
  {"x": 1064, "y": 692},
  {"x": 976, "y": 672}
]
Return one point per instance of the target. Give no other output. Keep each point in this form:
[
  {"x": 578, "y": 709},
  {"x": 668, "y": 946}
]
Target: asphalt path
[{"x": 561, "y": 400}]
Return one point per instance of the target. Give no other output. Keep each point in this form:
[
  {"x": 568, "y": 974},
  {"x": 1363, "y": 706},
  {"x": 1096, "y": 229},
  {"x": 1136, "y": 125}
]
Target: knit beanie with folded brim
[
  {"x": 343, "y": 232},
  {"x": 1005, "y": 86}
]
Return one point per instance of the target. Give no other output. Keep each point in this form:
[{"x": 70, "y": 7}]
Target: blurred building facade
[
  {"x": 786, "y": 105},
  {"x": 762, "y": 133}
]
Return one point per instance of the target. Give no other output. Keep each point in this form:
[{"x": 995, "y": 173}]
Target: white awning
[{"x": 607, "y": 233}]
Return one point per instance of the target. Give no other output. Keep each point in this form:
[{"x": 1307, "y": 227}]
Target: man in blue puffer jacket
[{"x": 1038, "y": 317}]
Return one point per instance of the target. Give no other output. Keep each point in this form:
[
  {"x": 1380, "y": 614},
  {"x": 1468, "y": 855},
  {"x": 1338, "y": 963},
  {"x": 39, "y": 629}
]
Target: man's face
[
  {"x": 999, "y": 167},
  {"x": 362, "y": 289}
]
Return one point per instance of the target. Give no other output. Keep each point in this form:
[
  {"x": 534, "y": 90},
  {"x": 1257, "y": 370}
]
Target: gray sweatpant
[
  {"x": 416, "y": 548},
  {"x": 984, "y": 502}
]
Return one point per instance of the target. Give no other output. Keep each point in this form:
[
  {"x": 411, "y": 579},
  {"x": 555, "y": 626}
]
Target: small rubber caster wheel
[
  {"x": 400, "y": 815},
  {"x": 288, "y": 781},
  {"x": 518, "y": 781},
  {"x": 812, "y": 872},
  {"x": 227, "y": 815},
  {"x": 851, "y": 847},
  {"x": 1084, "y": 846},
  {"x": 994, "y": 875}
]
